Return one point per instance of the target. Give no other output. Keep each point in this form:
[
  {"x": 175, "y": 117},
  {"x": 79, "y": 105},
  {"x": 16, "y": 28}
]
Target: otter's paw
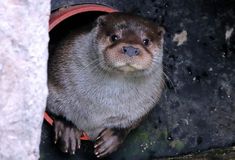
[
  {"x": 67, "y": 136},
  {"x": 108, "y": 141}
]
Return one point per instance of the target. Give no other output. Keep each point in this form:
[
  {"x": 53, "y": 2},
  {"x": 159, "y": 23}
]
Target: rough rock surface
[{"x": 23, "y": 77}]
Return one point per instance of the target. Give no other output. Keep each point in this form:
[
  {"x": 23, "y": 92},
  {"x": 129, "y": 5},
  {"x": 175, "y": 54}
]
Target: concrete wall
[{"x": 23, "y": 76}]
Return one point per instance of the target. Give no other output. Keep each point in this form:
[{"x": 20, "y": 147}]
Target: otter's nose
[{"x": 130, "y": 51}]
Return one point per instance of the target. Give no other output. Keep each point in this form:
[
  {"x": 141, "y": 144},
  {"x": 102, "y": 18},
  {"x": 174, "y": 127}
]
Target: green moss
[
  {"x": 144, "y": 136},
  {"x": 177, "y": 144},
  {"x": 162, "y": 135}
]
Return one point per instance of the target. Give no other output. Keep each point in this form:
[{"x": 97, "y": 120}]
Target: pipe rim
[{"x": 61, "y": 14}]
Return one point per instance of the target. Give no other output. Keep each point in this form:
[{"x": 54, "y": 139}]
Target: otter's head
[{"x": 128, "y": 43}]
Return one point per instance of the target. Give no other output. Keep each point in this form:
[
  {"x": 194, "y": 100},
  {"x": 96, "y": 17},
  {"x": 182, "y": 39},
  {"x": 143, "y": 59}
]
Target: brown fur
[{"x": 98, "y": 87}]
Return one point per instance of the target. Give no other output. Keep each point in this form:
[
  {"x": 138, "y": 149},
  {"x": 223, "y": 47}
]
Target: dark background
[{"x": 197, "y": 108}]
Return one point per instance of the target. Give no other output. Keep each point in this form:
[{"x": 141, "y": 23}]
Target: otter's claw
[
  {"x": 67, "y": 136},
  {"x": 108, "y": 141}
]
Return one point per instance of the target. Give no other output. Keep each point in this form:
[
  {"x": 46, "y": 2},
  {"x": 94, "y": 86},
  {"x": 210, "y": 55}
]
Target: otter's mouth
[{"x": 127, "y": 68}]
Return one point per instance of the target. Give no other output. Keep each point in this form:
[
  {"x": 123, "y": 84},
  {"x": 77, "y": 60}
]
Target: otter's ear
[
  {"x": 100, "y": 21},
  {"x": 161, "y": 31}
]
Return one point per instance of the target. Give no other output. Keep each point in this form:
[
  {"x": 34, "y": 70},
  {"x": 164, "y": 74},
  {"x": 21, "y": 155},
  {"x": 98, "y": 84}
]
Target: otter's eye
[
  {"x": 146, "y": 42},
  {"x": 114, "y": 38}
]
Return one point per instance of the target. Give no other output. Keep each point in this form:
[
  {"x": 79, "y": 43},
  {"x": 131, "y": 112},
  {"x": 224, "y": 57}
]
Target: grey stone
[{"x": 23, "y": 76}]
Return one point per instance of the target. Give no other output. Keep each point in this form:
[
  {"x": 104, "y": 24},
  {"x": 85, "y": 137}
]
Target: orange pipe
[
  {"x": 64, "y": 13},
  {"x": 50, "y": 121}
]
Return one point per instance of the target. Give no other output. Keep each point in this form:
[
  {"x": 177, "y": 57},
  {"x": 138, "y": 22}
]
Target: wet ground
[{"x": 197, "y": 109}]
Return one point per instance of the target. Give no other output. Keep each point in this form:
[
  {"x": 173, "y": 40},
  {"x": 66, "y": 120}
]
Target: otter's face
[{"x": 128, "y": 43}]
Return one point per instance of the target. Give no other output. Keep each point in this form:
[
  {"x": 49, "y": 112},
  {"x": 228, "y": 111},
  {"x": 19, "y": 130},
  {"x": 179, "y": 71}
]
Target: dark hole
[
  {"x": 199, "y": 140},
  {"x": 204, "y": 74},
  {"x": 189, "y": 69},
  {"x": 204, "y": 44},
  {"x": 71, "y": 23},
  {"x": 198, "y": 78},
  {"x": 156, "y": 10},
  {"x": 212, "y": 38},
  {"x": 155, "y": 19},
  {"x": 155, "y": 126},
  {"x": 169, "y": 84},
  {"x": 173, "y": 57},
  {"x": 159, "y": 120}
]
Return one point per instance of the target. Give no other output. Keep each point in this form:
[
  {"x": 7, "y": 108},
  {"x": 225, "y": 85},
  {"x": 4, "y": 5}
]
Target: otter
[{"x": 104, "y": 81}]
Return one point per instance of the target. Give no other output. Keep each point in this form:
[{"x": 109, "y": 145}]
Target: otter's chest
[
  {"x": 114, "y": 102},
  {"x": 119, "y": 104}
]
